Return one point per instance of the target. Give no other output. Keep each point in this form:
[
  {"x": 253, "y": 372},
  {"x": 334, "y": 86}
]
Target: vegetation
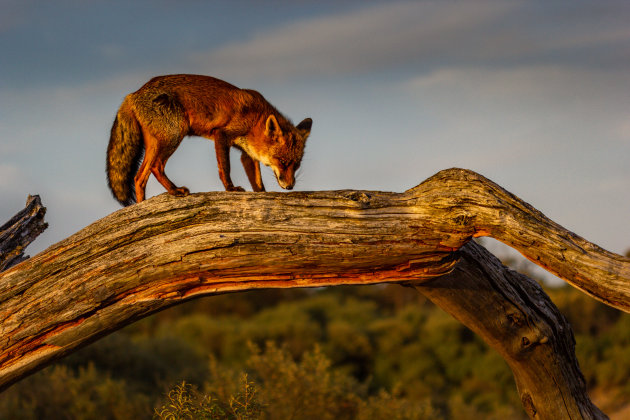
[{"x": 377, "y": 352}]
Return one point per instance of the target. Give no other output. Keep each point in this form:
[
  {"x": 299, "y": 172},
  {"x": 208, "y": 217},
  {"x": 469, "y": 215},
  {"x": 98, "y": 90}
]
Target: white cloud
[
  {"x": 425, "y": 35},
  {"x": 549, "y": 97},
  {"x": 519, "y": 82},
  {"x": 559, "y": 128},
  {"x": 374, "y": 38}
]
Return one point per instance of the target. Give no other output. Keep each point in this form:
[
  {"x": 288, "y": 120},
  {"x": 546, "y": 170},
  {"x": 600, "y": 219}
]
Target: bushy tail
[{"x": 124, "y": 153}]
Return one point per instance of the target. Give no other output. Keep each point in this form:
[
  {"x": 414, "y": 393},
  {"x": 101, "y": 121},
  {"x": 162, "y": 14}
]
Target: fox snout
[
  {"x": 286, "y": 182},
  {"x": 286, "y": 179}
]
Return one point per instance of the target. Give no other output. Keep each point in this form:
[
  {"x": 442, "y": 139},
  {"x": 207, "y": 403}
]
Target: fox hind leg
[
  {"x": 142, "y": 176},
  {"x": 158, "y": 172},
  {"x": 165, "y": 150},
  {"x": 156, "y": 154}
]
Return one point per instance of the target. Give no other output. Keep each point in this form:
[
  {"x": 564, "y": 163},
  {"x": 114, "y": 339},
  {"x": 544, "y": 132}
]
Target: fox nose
[{"x": 289, "y": 187}]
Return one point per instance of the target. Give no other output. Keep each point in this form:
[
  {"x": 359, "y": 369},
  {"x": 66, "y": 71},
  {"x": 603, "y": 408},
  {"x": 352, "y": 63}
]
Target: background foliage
[{"x": 373, "y": 352}]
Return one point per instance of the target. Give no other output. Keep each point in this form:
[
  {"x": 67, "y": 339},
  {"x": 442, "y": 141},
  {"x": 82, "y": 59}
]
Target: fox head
[{"x": 286, "y": 148}]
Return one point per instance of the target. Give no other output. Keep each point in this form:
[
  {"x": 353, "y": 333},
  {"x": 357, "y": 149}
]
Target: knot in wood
[
  {"x": 515, "y": 319},
  {"x": 360, "y": 197},
  {"x": 528, "y": 404},
  {"x": 464, "y": 220}
]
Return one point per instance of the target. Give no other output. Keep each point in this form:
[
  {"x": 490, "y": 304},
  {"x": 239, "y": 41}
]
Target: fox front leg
[
  {"x": 252, "y": 169},
  {"x": 222, "y": 149}
]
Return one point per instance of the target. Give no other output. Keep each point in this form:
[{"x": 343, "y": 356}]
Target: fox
[{"x": 153, "y": 121}]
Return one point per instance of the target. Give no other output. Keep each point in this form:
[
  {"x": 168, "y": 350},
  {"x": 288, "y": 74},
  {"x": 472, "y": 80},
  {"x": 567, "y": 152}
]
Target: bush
[
  {"x": 185, "y": 402},
  {"x": 284, "y": 388},
  {"x": 359, "y": 352},
  {"x": 60, "y": 393}
]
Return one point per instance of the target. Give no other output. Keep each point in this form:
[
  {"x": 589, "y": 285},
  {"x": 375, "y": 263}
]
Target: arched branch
[{"x": 149, "y": 256}]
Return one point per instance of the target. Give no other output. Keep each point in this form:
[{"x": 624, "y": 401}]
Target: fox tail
[{"x": 125, "y": 150}]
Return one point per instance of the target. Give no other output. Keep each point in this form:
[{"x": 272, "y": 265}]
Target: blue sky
[{"x": 534, "y": 95}]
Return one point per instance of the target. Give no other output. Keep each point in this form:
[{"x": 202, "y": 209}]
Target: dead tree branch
[{"x": 146, "y": 257}]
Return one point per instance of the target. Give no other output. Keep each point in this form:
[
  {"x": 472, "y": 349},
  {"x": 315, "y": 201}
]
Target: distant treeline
[{"x": 361, "y": 352}]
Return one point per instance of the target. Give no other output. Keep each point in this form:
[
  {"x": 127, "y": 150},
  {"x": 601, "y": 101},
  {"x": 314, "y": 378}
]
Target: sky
[{"x": 534, "y": 95}]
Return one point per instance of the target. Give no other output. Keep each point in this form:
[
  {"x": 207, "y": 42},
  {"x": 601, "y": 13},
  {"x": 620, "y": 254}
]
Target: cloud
[
  {"x": 425, "y": 35},
  {"x": 563, "y": 90},
  {"x": 552, "y": 121},
  {"x": 513, "y": 82},
  {"x": 359, "y": 41}
]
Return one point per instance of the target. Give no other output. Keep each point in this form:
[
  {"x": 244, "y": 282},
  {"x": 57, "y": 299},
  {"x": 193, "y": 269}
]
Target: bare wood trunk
[
  {"x": 147, "y": 257},
  {"x": 514, "y": 316}
]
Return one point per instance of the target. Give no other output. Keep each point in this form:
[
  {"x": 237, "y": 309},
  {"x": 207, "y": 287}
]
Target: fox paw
[
  {"x": 239, "y": 189},
  {"x": 181, "y": 192}
]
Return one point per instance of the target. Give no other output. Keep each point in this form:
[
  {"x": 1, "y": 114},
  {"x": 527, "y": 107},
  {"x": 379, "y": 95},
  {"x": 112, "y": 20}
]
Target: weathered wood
[
  {"x": 485, "y": 209},
  {"x": 166, "y": 250},
  {"x": 20, "y": 231},
  {"x": 515, "y": 317}
]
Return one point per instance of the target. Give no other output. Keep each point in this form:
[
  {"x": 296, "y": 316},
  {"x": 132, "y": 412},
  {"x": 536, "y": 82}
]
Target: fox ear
[
  {"x": 272, "y": 128},
  {"x": 304, "y": 128}
]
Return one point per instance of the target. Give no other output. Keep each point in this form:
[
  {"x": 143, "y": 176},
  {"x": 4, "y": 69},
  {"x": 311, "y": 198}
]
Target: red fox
[{"x": 161, "y": 113}]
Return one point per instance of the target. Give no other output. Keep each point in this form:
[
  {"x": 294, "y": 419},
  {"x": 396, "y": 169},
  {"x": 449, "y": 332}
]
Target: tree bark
[
  {"x": 149, "y": 256},
  {"x": 20, "y": 231}
]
